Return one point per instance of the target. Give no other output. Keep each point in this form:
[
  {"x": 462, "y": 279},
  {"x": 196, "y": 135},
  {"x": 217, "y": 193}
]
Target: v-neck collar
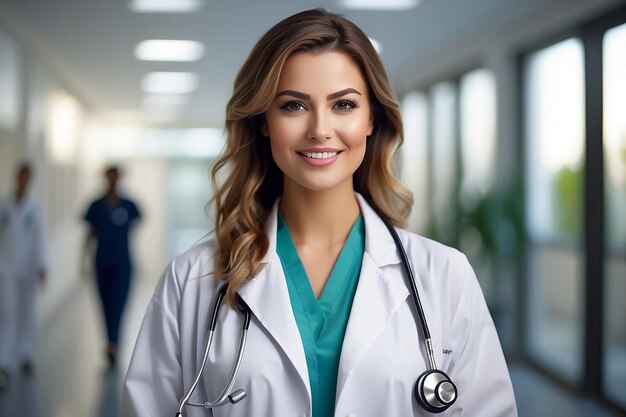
[
  {"x": 376, "y": 300},
  {"x": 319, "y": 310}
]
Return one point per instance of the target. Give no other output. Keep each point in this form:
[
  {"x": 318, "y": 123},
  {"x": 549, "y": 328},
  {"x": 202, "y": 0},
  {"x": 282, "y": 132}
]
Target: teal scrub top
[{"x": 322, "y": 323}]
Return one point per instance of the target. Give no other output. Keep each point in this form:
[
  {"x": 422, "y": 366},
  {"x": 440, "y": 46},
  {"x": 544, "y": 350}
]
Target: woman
[{"x": 312, "y": 126}]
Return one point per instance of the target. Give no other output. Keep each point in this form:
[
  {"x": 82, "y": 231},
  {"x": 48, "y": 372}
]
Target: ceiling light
[
  {"x": 380, "y": 5},
  {"x": 169, "y": 50},
  {"x": 165, "y": 6},
  {"x": 169, "y": 82}
]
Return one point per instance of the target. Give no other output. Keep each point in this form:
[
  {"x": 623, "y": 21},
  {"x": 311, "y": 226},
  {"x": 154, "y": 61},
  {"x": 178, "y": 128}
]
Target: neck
[
  {"x": 324, "y": 217},
  {"x": 19, "y": 195},
  {"x": 111, "y": 195}
]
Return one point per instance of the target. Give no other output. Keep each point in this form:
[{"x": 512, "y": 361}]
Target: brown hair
[{"x": 253, "y": 180}]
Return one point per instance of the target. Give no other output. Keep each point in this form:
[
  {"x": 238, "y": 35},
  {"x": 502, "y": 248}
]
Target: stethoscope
[{"x": 434, "y": 390}]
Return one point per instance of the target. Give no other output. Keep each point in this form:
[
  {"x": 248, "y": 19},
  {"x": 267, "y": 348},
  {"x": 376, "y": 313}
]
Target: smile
[
  {"x": 319, "y": 159},
  {"x": 318, "y": 155}
]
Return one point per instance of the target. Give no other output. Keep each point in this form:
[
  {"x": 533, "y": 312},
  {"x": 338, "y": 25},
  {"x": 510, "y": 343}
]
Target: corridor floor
[{"x": 71, "y": 378}]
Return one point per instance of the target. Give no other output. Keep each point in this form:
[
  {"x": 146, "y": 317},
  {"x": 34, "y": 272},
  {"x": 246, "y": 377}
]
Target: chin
[{"x": 323, "y": 184}]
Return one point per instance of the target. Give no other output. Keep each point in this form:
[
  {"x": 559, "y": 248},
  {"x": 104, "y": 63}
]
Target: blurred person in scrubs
[
  {"x": 22, "y": 266},
  {"x": 311, "y": 127},
  {"x": 111, "y": 219}
]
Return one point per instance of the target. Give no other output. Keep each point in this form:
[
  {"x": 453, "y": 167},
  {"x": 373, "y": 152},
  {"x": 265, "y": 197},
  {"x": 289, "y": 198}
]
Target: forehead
[{"x": 325, "y": 73}]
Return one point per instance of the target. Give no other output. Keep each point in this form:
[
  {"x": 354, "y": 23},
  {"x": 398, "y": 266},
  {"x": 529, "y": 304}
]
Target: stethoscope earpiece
[{"x": 434, "y": 391}]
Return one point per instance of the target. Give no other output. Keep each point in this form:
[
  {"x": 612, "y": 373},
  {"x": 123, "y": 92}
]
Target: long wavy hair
[{"x": 251, "y": 179}]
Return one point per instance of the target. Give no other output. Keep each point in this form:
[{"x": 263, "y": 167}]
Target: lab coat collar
[
  {"x": 381, "y": 291},
  {"x": 378, "y": 296},
  {"x": 375, "y": 302},
  {"x": 268, "y": 298},
  {"x": 271, "y": 226},
  {"x": 378, "y": 242}
]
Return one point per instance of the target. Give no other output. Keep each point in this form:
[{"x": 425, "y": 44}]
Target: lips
[{"x": 319, "y": 157}]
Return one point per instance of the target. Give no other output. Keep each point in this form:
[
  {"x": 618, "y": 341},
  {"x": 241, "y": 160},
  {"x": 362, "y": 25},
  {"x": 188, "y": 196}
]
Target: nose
[{"x": 319, "y": 126}]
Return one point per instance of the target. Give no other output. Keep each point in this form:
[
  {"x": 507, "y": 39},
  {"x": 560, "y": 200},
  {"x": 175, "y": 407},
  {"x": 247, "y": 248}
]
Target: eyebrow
[
  {"x": 342, "y": 93},
  {"x": 303, "y": 96}
]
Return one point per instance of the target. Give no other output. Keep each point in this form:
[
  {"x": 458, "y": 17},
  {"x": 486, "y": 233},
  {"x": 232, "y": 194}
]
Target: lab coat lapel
[
  {"x": 268, "y": 298},
  {"x": 379, "y": 294}
]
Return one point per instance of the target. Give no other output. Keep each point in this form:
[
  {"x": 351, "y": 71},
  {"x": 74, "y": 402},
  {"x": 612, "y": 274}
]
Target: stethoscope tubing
[
  {"x": 226, "y": 395},
  {"x": 423, "y": 388},
  {"x": 414, "y": 293}
]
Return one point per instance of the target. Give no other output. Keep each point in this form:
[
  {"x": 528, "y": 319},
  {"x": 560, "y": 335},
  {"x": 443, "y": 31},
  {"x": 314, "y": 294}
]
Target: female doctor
[{"x": 300, "y": 240}]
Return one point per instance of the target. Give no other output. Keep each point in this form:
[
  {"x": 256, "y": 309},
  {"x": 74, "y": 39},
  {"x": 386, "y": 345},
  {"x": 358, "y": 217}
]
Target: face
[
  {"x": 23, "y": 179},
  {"x": 112, "y": 176},
  {"x": 319, "y": 120}
]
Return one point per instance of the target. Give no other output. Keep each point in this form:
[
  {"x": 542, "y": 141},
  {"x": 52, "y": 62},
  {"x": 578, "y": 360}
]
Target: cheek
[
  {"x": 354, "y": 133},
  {"x": 284, "y": 135}
]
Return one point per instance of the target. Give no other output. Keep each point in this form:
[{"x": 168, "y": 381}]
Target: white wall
[{"x": 30, "y": 135}]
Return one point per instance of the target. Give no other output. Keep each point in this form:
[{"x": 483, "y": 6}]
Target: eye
[
  {"x": 346, "y": 104},
  {"x": 293, "y": 106}
]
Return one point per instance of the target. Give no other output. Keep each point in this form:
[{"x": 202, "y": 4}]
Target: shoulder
[
  {"x": 199, "y": 260},
  {"x": 94, "y": 210},
  {"x": 425, "y": 249},
  {"x": 131, "y": 207},
  {"x": 128, "y": 202},
  {"x": 96, "y": 203},
  {"x": 196, "y": 263},
  {"x": 437, "y": 264}
]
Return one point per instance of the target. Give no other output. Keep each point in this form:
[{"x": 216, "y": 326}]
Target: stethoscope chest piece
[{"x": 434, "y": 391}]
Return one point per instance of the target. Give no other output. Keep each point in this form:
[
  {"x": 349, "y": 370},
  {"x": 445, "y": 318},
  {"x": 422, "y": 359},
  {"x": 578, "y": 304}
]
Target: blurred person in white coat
[
  {"x": 300, "y": 240},
  {"x": 22, "y": 267}
]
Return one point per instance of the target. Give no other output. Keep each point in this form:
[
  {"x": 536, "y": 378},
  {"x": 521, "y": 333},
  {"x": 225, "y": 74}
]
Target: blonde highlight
[{"x": 253, "y": 182}]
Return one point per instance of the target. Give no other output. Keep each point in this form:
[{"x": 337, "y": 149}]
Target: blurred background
[{"x": 515, "y": 149}]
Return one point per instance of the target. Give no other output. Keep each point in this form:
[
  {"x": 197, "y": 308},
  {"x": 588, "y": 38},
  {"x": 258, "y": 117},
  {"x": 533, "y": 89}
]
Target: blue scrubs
[
  {"x": 113, "y": 264},
  {"x": 322, "y": 323}
]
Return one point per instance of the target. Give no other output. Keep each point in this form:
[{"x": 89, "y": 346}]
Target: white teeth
[{"x": 319, "y": 155}]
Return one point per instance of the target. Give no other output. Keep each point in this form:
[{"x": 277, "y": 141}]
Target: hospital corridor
[{"x": 113, "y": 115}]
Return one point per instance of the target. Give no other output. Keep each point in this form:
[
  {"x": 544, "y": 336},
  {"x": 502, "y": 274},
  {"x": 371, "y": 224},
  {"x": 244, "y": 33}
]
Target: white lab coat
[
  {"x": 383, "y": 351},
  {"x": 22, "y": 256}
]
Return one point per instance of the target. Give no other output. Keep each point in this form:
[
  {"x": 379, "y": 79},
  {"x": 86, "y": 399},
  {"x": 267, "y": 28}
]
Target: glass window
[
  {"x": 478, "y": 134},
  {"x": 477, "y": 103},
  {"x": 443, "y": 162},
  {"x": 614, "y": 91},
  {"x": 554, "y": 139},
  {"x": 415, "y": 158}
]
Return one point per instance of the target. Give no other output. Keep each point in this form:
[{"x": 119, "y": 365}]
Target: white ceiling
[{"x": 93, "y": 41}]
